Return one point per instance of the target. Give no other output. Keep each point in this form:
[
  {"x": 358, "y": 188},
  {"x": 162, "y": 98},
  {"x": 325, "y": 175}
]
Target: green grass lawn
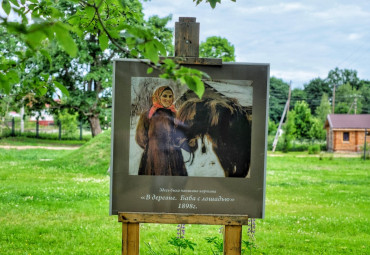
[{"x": 57, "y": 202}]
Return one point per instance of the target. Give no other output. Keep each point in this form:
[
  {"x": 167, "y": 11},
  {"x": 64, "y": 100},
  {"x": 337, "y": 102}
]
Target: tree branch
[{"x": 115, "y": 43}]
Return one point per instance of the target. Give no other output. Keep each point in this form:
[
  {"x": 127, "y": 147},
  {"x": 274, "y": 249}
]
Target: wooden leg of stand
[
  {"x": 130, "y": 238},
  {"x": 232, "y": 240}
]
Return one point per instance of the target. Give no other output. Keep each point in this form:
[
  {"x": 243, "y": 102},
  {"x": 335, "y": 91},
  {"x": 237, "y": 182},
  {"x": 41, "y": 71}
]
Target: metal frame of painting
[{"x": 196, "y": 193}]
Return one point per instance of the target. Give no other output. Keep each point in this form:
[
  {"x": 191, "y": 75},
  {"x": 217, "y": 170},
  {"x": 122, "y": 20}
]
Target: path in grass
[{"x": 27, "y": 147}]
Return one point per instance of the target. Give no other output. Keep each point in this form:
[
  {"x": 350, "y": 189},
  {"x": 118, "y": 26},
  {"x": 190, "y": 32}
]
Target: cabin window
[{"x": 345, "y": 136}]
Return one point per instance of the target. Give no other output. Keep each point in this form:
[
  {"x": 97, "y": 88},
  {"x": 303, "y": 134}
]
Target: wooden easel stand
[
  {"x": 187, "y": 53},
  {"x": 131, "y": 228}
]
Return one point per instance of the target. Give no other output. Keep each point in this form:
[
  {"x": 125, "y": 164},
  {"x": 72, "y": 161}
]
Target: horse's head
[{"x": 225, "y": 124}]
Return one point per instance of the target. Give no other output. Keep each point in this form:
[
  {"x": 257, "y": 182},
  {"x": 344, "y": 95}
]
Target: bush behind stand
[{"x": 298, "y": 145}]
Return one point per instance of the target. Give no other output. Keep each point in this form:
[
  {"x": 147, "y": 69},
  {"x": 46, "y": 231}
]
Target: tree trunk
[{"x": 94, "y": 125}]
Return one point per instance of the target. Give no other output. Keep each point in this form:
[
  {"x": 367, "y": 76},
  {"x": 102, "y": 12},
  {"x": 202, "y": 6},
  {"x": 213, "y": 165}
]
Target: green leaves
[
  {"x": 62, "y": 88},
  {"x": 103, "y": 41},
  {"x": 64, "y": 38},
  {"x": 191, "y": 77},
  {"x": 8, "y": 75},
  {"x": 6, "y": 6},
  {"x": 195, "y": 84},
  {"x": 149, "y": 70},
  {"x": 15, "y": 2},
  {"x": 211, "y": 2},
  {"x": 35, "y": 38},
  {"x": 46, "y": 54},
  {"x": 90, "y": 12},
  {"x": 182, "y": 243},
  {"x": 144, "y": 40}
]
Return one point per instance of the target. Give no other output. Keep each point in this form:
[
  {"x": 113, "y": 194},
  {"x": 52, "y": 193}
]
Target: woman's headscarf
[{"x": 156, "y": 99}]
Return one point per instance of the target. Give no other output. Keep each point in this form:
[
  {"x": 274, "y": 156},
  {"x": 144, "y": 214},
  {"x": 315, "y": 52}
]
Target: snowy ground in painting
[{"x": 206, "y": 165}]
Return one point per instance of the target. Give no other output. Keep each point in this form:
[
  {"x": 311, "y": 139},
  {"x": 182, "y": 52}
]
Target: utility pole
[
  {"x": 350, "y": 108},
  {"x": 286, "y": 108},
  {"x": 333, "y": 103},
  {"x": 354, "y": 103}
]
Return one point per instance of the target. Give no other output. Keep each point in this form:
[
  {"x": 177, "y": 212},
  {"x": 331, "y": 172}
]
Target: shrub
[
  {"x": 314, "y": 149},
  {"x": 68, "y": 122}
]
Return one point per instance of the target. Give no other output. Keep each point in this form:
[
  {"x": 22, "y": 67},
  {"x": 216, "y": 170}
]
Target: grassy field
[{"x": 56, "y": 202}]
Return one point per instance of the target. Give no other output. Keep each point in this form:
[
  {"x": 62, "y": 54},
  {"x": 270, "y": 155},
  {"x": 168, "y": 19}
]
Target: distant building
[
  {"x": 45, "y": 119},
  {"x": 346, "y": 132}
]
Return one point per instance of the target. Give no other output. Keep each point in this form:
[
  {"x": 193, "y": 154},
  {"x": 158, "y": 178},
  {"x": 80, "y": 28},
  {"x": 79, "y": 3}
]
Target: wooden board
[
  {"x": 173, "y": 218},
  {"x": 195, "y": 61}
]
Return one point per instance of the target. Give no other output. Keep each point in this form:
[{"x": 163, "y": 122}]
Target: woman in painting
[{"x": 159, "y": 135}]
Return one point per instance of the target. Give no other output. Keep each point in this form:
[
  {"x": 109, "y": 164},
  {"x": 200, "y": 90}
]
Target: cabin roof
[{"x": 348, "y": 121}]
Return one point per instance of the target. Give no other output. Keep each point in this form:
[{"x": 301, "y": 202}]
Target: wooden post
[
  {"x": 37, "y": 127},
  {"x": 130, "y": 238},
  {"x": 232, "y": 240},
  {"x": 60, "y": 130},
  {"x": 130, "y": 228},
  {"x": 187, "y": 37}
]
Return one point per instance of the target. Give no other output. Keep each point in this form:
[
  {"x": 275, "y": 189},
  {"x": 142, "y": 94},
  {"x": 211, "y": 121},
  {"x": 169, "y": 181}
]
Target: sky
[{"x": 301, "y": 40}]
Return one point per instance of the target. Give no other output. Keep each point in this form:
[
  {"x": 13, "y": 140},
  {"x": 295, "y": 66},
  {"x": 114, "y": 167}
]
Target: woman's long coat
[{"x": 159, "y": 137}]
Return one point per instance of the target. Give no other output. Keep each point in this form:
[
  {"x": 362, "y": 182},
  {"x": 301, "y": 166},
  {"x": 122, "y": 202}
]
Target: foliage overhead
[
  {"x": 115, "y": 25},
  {"x": 211, "y": 2}
]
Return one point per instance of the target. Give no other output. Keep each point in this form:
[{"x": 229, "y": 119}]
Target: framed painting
[{"x": 173, "y": 152}]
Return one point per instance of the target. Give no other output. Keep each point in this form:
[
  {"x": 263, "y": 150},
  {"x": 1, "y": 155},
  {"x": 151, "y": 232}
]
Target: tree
[
  {"x": 86, "y": 78},
  {"x": 348, "y": 100},
  {"x": 338, "y": 77},
  {"x": 302, "y": 119},
  {"x": 8, "y": 64},
  {"x": 289, "y": 131},
  {"x": 278, "y": 97},
  {"x": 109, "y": 23},
  {"x": 272, "y": 127},
  {"x": 297, "y": 95},
  {"x": 364, "y": 91},
  {"x": 317, "y": 130},
  {"x": 217, "y": 47},
  {"x": 314, "y": 91},
  {"x": 323, "y": 109}
]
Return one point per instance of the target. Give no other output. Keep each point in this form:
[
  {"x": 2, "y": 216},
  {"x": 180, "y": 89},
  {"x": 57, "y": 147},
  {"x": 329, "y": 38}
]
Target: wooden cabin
[{"x": 346, "y": 132}]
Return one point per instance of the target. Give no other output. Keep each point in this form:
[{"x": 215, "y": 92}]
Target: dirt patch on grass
[
  {"x": 335, "y": 155},
  {"x": 27, "y": 147}
]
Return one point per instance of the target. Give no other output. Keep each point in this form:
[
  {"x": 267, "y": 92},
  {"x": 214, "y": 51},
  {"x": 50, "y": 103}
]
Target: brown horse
[{"x": 224, "y": 122}]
